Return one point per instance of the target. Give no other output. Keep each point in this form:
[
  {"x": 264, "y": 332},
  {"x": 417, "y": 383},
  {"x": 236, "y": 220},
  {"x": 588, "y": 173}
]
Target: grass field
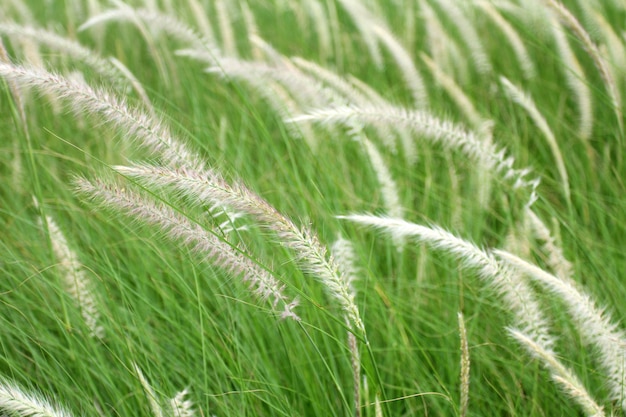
[{"x": 312, "y": 208}]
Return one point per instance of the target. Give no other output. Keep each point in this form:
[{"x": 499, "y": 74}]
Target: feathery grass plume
[
  {"x": 374, "y": 31},
  {"x": 252, "y": 29},
  {"x": 569, "y": 20},
  {"x": 149, "y": 132},
  {"x": 388, "y": 187},
  {"x": 593, "y": 323},
  {"x": 516, "y": 293},
  {"x": 20, "y": 7},
  {"x": 615, "y": 48},
  {"x": 304, "y": 89},
  {"x": 223, "y": 12},
  {"x": 157, "y": 410},
  {"x": 468, "y": 34},
  {"x": 428, "y": 127},
  {"x": 68, "y": 48},
  {"x": 156, "y": 21},
  {"x": 563, "y": 376},
  {"x": 362, "y": 20},
  {"x": 179, "y": 228},
  {"x": 576, "y": 81},
  {"x": 410, "y": 149},
  {"x": 17, "y": 98},
  {"x": 555, "y": 258},
  {"x": 285, "y": 89},
  {"x": 442, "y": 47},
  {"x": 321, "y": 25},
  {"x": 465, "y": 367},
  {"x": 181, "y": 406},
  {"x": 202, "y": 20},
  {"x": 343, "y": 253},
  {"x": 521, "y": 53},
  {"x": 16, "y": 402},
  {"x": 201, "y": 189},
  {"x": 455, "y": 91},
  {"x": 339, "y": 84},
  {"x": 77, "y": 283},
  {"x": 141, "y": 92},
  {"x": 378, "y": 409},
  {"x": 268, "y": 52},
  {"x": 411, "y": 75},
  {"x": 517, "y": 95}
]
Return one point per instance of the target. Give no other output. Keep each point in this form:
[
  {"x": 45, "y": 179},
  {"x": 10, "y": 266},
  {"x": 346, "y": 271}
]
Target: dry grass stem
[{"x": 465, "y": 367}]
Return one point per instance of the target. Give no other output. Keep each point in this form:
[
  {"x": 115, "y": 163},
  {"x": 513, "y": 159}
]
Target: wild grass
[{"x": 197, "y": 197}]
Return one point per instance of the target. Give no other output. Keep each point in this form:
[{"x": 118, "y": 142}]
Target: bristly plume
[
  {"x": 202, "y": 242},
  {"x": 576, "y": 80},
  {"x": 181, "y": 406},
  {"x": 465, "y": 367},
  {"x": 517, "y": 295},
  {"x": 569, "y": 20},
  {"x": 593, "y": 323},
  {"x": 77, "y": 283},
  {"x": 555, "y": 258},
  {"x": 436, "y": 130},
  {"x": 155, "y": 406},
  {"x": 16, "y": 402},
  {"x": 563, "y": 376},
  {"x": 521, "y": 52},
  {"x": 520, "y": 97},
  {"x": 68, "y": 48},
  {"x": 201, "y": 189},
  {"x": 343, "y": 253},
  {"x": 149, "y": 132}
]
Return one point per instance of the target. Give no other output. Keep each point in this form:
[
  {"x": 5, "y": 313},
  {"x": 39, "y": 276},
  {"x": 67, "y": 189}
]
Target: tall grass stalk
[{"x": 465, "y": 367}]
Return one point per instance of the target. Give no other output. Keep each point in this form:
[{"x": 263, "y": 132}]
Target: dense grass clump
[{"x": 306, "y": 208}]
